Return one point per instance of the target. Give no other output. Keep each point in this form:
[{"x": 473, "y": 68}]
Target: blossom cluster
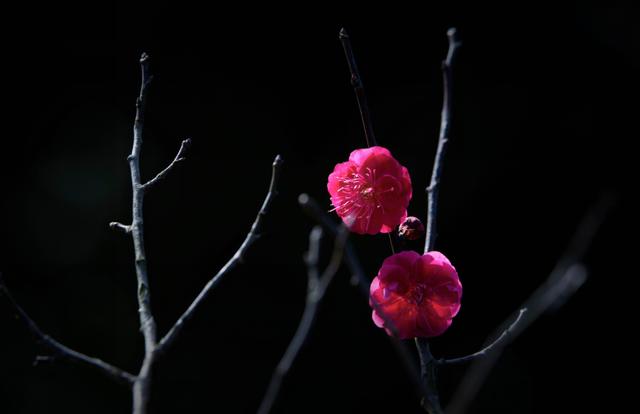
[{"x": 412, "y": 295}]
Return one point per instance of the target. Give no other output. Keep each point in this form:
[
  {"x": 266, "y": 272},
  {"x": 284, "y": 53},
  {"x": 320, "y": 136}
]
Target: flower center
[
  {"x": 357, "y": 195},
  {"x": 417, "y": 293},
  {"x": 367, "y": 193}
]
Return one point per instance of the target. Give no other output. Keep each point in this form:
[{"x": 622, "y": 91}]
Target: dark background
[{"x": 544, "y": 110}]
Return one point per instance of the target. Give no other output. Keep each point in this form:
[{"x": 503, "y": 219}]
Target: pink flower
[
  {"x": 371, "y": 191},
  {"x": 415, "y": 296}
]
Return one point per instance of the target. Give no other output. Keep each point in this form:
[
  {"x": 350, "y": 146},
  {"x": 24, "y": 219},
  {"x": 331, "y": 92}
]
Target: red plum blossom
[
  {"x": 370, "y": 191},
  {"x": 415, "y": 296}
]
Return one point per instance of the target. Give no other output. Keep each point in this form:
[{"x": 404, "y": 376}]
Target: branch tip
[
  {"x": 121, "y": 227},
  {"x": 144, "y": 58},
  {"x": 180, "y": 156},
  {"x": 358, "y": 88}
]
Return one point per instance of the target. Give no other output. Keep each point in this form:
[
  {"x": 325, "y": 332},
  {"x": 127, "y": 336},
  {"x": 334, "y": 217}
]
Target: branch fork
[{"x": 140, "y": 384}]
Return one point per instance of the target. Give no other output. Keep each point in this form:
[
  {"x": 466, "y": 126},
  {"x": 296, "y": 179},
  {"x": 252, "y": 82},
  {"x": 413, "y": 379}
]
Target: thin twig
[
  {"x": 180, "y": 156},
  {"x": 500, "y": 341},
  {"x": 316, "y": 289},
  {"x": 313, "y": 209},
  {"x": 565, "y": 279},
  {"x": 358, "y": 88},
  {"x": 236, "y": 259},
  {"x": 63, "y": 351},
  {"x": 121, "y": 227},
  {"x": 431, "y": 400}
]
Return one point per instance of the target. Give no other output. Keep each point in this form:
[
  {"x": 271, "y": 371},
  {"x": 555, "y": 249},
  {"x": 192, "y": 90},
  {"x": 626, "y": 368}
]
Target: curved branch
[
  {"x": 61, "y": 350},
  {"x": 565, "y": 279},
  {"x": 484, "y": 351},
  {"x": 236, "y": 259}
]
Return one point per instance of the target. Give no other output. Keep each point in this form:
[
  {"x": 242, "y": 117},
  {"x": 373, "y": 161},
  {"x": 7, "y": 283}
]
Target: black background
[{"x": 544, "y": 110}]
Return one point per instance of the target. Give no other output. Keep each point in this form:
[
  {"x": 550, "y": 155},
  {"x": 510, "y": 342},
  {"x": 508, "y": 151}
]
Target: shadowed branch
[
  {"x": 565, "y": 279},
  {"x": 313, "y": 209},
  {"x": 316, "y": 288},
  {"x": 63, "y": 351}
]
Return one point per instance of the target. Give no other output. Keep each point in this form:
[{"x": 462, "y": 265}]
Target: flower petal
[
  {"x": 431, "y": 324},
  {"x": 341, "y": 170},
  {"x": 437, "y": 257},
  {"x": 359, "y": 156}
]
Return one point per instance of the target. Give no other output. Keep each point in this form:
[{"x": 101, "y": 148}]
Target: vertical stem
[
  {"x": 358, "y": 88},
  {"x": 431, "y": 400},
  {"x": 428, "y": 365},
  {"x": 363, "y": 106},
  {"x": 443, "y": 139},
  {"x": 142, "y": 385},
  {"x": 393, "y": 250}
]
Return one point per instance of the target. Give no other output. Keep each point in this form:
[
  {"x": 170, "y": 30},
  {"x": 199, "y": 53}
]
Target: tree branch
[
  {"x": 316, "y": 289},
  {"x": 237, "y": 258},
  {"x": 443, "y": 139},
  {"x": 431, "y": 401},
  {"x": 565, "y": 279},
  {"x": 142, "y": 386},
  {"x": 180, "y": 156},
  {"x": 504, "y": 336},
  {"x": 313, "y": 209},
  {"x": 61, "y": 350},
  {"x": 121, "y": 227},
  {"x": 358, "y": 88},
  {"x": 537, "y": 304}
]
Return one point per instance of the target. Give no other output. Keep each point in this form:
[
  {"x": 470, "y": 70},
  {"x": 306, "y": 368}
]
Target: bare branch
[
  {"x": 313, "y": 209},
  {"x": 443, "y": 139},
  {"x": 500, "y": 341},
  {"x": 565, "y": 279},
  {"x": 431, "y": 400},
  {"x": 142, "y": 386},
  {"x": 180, "y": 156},
  {"x": 236, "y": 259},
  {"x": 358, "y": 88},
  {"x": 63, "y": 351},
  {"x": 538, "y": 303},
  {"x": 363, "y": 106},
  {"x": 316, "y": 289},
  {"x": 121, "y": 227}
]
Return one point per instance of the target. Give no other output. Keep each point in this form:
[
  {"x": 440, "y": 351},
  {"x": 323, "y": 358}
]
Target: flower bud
[{"x": 411, "y": 228}]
